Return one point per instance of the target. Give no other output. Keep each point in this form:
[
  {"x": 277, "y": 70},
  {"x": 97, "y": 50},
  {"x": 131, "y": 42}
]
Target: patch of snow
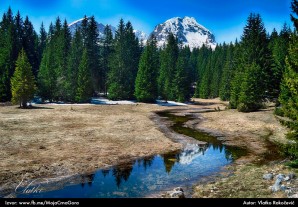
[
  {"x": 169, "y": 103},
  {"x": 94, "y": 101},
  {"x": 65, "y": 104},
  {"x": 105, "y": 101}
]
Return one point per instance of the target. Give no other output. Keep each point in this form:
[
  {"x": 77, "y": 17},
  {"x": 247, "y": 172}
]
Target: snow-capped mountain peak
[
  {"x": 188, "y": 31},
  {"x": 76, "y": 24},
  {"x": 142, "y": 36}
]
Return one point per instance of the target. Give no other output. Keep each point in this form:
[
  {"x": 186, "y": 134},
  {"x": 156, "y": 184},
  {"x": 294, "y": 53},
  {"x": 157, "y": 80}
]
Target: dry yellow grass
[
  {"x": 61, "y": 140},
  {"x": 243, "y": 129}
]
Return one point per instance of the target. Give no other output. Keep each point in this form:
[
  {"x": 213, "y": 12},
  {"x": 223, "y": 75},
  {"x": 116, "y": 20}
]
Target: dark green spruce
[
  {"x": 146, "y": 81},
  {"x": 84, "y": 85},
  {"x": 254, "y": 55},
  {"x": 123, "y": 63},
  {"x": 168, "y": 60},
  {"x": 105, "y": 54},
  {"x": 289, "y": 87}
]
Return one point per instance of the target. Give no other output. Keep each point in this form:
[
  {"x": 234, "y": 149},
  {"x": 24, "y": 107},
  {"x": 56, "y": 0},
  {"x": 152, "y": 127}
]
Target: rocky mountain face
[
  {"x": 142, "y": 36},
  {"x": 76, "y": 24},
  {"x": 188, "y": 31}
]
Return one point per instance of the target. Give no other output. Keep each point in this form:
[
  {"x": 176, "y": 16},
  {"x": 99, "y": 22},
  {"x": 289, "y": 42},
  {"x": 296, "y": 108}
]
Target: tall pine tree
[
  {"x": 61, "y": 43},
  {"x": 5, "y": 65},
  {"x": 8, "y": 54},
  {"x": 74, "y": 60},
  {"x": 116, "y": 76},
  {"x": 84, "y": 85},
  {"x": 132, "y": 57},
  {"x": 30, "y": 45},
  {"x": 249, "y": 98},
  {"x": 204, "y": 82},
  {"x": 182, "y": 81},
  {"x": 279, "y": 46},
  {"x": 254, "y": 54},
  {"x": 22, "y": 82},
  {"x": 47, "y": 75},
  {"x": 42, "y": 42},
  {"x": 19, "y": 33},
  {"x": 289, "y": 87},
  {"x": 227, "y": 74},
  {"x": 93, "y": 52},
  {"x": 123, "y": 63},
  {"x": 202, "y": 61},
  {"x": 146, "y": 81},
  {"x": 167, "y": 72},
  {"x": 105, "y": 54}
]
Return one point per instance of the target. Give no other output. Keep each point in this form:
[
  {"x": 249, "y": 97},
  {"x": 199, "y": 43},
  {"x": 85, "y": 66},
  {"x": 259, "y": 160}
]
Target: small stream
[{"x": 150, "y": 175}]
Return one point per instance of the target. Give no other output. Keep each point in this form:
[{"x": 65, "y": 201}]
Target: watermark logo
[{"x": 31, "y": 187}]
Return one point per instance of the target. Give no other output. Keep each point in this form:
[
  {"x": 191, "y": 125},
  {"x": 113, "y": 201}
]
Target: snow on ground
[
  {"x": 105, "y": 101},
  {"x": 169, "y": 103},
  {"x": 94, "y": 101},
  {"x": 110, "y": 102},
  {"x": 65, "y": 104}
]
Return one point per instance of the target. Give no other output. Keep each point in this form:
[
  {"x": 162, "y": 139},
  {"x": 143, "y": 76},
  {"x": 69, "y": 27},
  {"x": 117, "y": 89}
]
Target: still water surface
[{"x": 150, "y": 175}]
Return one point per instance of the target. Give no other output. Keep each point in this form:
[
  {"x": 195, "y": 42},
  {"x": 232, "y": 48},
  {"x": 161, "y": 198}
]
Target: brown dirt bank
[
  {"x": 249, "y": 130},
  {"x": 60, "y": 140}
]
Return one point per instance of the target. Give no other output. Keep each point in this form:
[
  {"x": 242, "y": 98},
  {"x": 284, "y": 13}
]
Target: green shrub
[
  {"x": 242, "y": 107},
  {"x": 249, "y": 107},
  {"x": 293, "y": 164},
  {"x": 278, "y": 112}
]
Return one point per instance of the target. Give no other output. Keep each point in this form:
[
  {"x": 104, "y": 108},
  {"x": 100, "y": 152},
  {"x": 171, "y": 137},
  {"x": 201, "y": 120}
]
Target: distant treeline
[{"x": 74, "y": 67}]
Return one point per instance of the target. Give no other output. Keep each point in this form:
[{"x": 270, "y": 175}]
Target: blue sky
[{"x": 224, "y": 18}]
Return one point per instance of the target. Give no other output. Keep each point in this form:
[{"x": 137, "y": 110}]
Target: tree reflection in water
[
  {"x": 190, "y": 152},
  {"x": 170, "y": 159},
  {"x": 153, "y": 174},
  {"x": 122, "y": 172},
  {"x": 147, "y": 162},
  {"x": 105, "y": 172},
  {"x": 87, "y": 179}
]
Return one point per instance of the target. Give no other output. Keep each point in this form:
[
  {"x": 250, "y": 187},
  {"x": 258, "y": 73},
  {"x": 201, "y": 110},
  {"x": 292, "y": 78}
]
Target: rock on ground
[{"x": 175, "y": 193}]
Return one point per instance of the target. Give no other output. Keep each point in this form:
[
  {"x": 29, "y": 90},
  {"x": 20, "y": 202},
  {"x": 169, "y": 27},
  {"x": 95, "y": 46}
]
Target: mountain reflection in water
[
  {"x": 122, "y": 172},
  {"x": 151, "y": 175}
]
